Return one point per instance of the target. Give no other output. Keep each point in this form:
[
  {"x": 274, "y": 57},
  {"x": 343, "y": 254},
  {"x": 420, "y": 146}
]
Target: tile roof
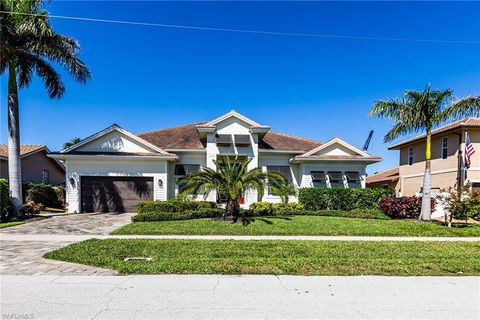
[
  {"x": 186, "y": 137},
  {"x": 24, "y": 149},
  {"x": 464, "y": 123},
  {"x": 387, "y": 175}
]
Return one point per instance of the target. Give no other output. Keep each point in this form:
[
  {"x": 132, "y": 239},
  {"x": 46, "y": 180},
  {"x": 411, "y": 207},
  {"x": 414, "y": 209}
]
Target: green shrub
[
  {"x": 174, "y": 205},
  {"x": 342, "y": 198},
  {"x": 44, "y": 194},
  {"x": 287, "y": 208},
  {"x": 185, "y": 215},
  {"x": 261, "y": 208},
  {"x": 6, "y": 208},
  {"x": 267, "y": 208}
]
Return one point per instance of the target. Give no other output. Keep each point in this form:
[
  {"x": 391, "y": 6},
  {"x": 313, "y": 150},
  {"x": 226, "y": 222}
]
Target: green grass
[
  {"x": 300, "y": 225},
  {"x": 175, "y": 256},
  {"x": 9, "y": 224}
]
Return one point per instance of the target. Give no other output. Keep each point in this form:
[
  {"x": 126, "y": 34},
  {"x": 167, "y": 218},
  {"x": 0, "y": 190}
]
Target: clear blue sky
[{"x": 146, "y": 78}]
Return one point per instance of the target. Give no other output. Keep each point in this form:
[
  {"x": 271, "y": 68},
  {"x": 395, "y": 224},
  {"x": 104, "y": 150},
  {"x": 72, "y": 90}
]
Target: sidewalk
[{"x": 75, "y": 237}]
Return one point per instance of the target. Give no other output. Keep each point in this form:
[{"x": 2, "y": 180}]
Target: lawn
[
  {"x": 300, "y": 225},
  {"x": 174, "y": 256},
  {"x": 10, "y": 224}
]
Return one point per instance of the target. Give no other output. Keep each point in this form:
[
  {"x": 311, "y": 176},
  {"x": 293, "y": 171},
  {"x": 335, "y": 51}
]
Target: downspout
[{"x": 459, "y": 163}]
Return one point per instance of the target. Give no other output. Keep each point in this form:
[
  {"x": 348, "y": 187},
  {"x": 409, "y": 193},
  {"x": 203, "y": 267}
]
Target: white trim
[
  {"x": 366, "y": 160},
  {"x": 113, "y": 128},
  {"x": 232, "y": 113},
  {"x": 339, "y": 141},
  {"x": 186, "y": 150},
  {"x": 280, "y": 151},
  {"x": 102, "y": 156}
]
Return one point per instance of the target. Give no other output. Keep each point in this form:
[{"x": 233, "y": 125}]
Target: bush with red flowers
[{"x": 402, "y": 207}]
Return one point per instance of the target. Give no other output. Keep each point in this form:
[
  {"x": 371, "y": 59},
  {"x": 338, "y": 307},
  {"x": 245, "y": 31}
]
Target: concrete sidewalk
[
  {"x": 76, "y": 238},
  {"x": 240, "y": 297}
]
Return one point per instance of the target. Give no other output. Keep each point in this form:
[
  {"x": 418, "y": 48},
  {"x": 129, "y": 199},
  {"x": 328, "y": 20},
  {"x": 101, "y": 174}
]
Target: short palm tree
[
  {"x": 231, "y": 179},
  {"x": 284, "y": 189},
  {"x": 466, "y": 107},
  {"x": 417, "y": 111},
  {"x": 28, "y": 45},
  {"x": 70, "y": 143}
]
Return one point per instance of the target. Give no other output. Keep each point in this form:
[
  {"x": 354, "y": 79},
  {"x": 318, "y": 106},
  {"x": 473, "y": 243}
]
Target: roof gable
[
  {"x": 25, "y": 149},
  {"x": 114, "y": 139},
  {"x": 336, "y": 148},
  {"x": 233, "y": 114}
]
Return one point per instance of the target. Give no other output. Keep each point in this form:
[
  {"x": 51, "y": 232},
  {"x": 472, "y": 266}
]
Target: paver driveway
[{"x": 25, "y": 257}]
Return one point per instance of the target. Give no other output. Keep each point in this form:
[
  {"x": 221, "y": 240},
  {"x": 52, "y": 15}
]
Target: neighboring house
[
  {"x": 114, "y": 169},
  {"x": 37, "y": 167},
  {"x": 448, "y": 165},
  {"x": 385, "y": 179}
]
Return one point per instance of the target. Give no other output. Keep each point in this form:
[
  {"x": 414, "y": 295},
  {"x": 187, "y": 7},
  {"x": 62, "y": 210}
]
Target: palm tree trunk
[
  {"x": 14, "y": 163},
  {"x": 426, "y": 213}
]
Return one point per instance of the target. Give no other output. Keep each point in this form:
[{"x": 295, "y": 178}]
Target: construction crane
[{"x": 367, "y": 143}]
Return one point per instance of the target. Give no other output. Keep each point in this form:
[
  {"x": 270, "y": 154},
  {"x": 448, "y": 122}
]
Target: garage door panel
[{"x": 115, "y": 194}]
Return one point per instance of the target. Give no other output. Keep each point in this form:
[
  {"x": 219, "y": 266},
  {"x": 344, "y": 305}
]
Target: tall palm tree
[
  {"x": 231, "y": 179},
  {"x": 28, "y": 45},
  {"x": 417, "y": 111},
  {"x": 468, "y": 106},
  {"x": 70, "y": 143}
]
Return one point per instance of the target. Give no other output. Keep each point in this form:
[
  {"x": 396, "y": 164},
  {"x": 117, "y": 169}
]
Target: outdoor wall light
[
  {"x": 160, "y": 183},
  {"x": 72, "y": 182}
]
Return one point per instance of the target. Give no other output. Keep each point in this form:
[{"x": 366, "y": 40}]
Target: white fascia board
[
  {"x": 281, "y": 151},
  {"x": 101, "y": 156},
  {"x": 186, "y": 150},
  {"x": 235, "y": 114},
  {"x": 339, "y": 141},
  {"x": 300, "y": 160}
]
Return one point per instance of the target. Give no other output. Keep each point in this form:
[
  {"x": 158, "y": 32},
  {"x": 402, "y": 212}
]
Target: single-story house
[
  {"x": 385, "y": 179},
  {"x": 36, "y": 166},
  {"x": 113, "y": 170}
]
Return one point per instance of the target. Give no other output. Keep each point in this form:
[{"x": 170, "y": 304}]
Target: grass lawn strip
[
  {"x": 10, "y": 224},
  {"x": 301, "y": 225},
  {"x": 340, "y": 258}
]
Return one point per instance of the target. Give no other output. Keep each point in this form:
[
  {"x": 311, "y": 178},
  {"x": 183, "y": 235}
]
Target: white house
[{"x": 114, "y": 169}]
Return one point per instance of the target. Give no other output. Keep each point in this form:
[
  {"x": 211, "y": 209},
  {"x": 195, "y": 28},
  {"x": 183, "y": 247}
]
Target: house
[
  {"x": 448, "y": 161},
  {"x": 385, "y": 179},
  {"x": 114, "y": 169},
  {"x": 36, "y": 166}
]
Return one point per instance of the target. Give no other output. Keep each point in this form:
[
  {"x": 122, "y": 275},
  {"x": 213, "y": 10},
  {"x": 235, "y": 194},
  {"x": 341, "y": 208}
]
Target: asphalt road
[{"x": 238, "y": 297}]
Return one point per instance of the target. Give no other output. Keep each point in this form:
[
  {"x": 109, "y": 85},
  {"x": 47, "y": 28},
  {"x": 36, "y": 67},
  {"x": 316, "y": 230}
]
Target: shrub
[
  {"x": 174, "y": 205},
  {"x": 32, "y": 208},
  {"x": 342, "y": 198},
  {"x": 403, "y": 207},
  {"x": 267, "y": 208},
  {"x": 44, "y": 194},
  {"x": 185, "y": 215},
  {"x": 6, "y": 208}
]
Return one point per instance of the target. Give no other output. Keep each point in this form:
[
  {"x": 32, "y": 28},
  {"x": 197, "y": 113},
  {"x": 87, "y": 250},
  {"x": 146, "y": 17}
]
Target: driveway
[{"x": 20, "y": 257}]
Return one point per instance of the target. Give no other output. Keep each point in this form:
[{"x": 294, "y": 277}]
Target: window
[
  {"x": 318, "y": 179},
  {"x": 410, "y": 156},
  {"x": 182, "y": 170},
  {"x": 353, "y": 178},
  {"x": 336, "y": 179},
  {"x": 283, "y": 170},
  {"x": 223, "y": 140},
  {"x": 444, "y": 148},
  {"x": 45, "y": 176},
  {"x": 242, "y": 140}
]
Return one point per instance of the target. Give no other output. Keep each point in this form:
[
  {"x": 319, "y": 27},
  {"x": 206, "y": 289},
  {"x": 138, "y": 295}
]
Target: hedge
[
  {"x": 342, "y": 198},
  {"x": 267, "y": 208},
  {"x": 173, "y": 205},
  {"x": 6, "y": 208},
  {"x": 403, "y": 207},
  {"x": 45, "y": 194},
  {"x": 185, "y": 215}
]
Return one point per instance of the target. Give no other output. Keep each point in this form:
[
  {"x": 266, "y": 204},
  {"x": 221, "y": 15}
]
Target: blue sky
[{"x": 146, "y": 78}]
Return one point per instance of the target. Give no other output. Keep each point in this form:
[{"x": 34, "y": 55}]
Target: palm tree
[
  {"x": 417, "y": 111},
  {"x": 70, "y": 143},
  {"x": 29, "y": 44},
  {"x": 231, "y": 179},
  {"x": 284, "y": 189},
  {"x": 468, "y": 106}
]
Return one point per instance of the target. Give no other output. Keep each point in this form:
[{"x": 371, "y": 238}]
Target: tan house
[
  {"x": 385, "y": 179},
  {"x": 36, "y": 166},
  {"x": 448, "y": 162}
]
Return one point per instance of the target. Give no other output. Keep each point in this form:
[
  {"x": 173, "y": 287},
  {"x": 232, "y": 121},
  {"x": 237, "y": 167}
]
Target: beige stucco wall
[{"x": 444, "y": 171}]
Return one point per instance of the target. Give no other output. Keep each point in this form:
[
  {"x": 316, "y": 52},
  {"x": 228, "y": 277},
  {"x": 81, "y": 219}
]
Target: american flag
[{"x": 469, "y": 151}]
